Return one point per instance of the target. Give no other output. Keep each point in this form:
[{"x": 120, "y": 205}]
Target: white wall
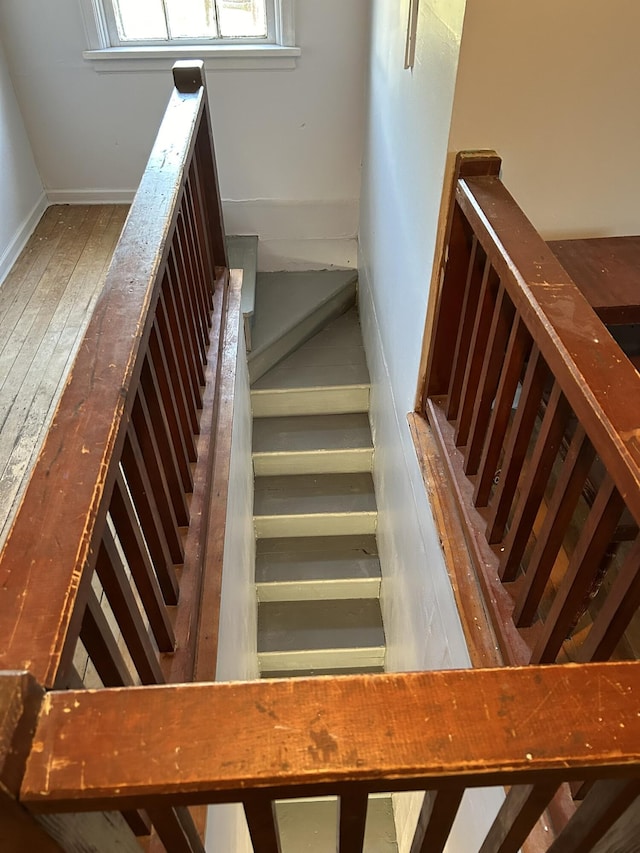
[
  {"x": 237, "y": 644},
  {"x": 23, "y": 200},
  {"x": 553, "y": 88},
  {"x": 289, "y": 141},
  {"x": 409, "y": 114}
]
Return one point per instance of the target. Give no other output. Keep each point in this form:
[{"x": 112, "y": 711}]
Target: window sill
[{"x": 238, "y": 57}]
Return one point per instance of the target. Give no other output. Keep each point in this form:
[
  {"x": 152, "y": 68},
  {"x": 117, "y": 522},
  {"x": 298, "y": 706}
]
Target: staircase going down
[{"x": 317, "y": 567}]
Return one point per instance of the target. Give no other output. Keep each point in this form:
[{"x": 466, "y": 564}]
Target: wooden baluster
[
  {"x": 139, "y": 822},
  {"x": 517, "y": 351},
  {"x": 141, "y": 422},
  {"x": 517, "y": 445},
  {"x": 583, "y": 566},
  {"x": 211, "y": 198},
  {"x": 571, "y": 482},
  {"x": 263, "y": 825},
  {"x": 352, "y": 820},
  {"x": 178, "y": 312},
  {"x": 203, "y": 280},
  {"x": 491, "y": 368},
  {"x": 438, "y": 812},
  {"x": 521, "y": 810},
  {"x": 477, "y": 350},
  {"x": 176, "y": 830},
  {"x": 478, "y": 264},
  {"x": 112, "y": 575},
  {"x": 195, "y": 350},
  {"x": 617, "y": 611},
  {"x": 178, "y": 370},
  {"x": 20, "y": 703},
  {"x": 160, "y": 371},
  {"x": 197, "y": 328},
  {"x": 146, "y": 510},
  {"x": 189, "y": 251},
  {"x": 605, "y": 803},
  {"x": 199, "y": 216},
  {"x": 171, "y": 338},
  {"x": 148, "y": 582},
  {"x": 449, "y": 307},
  {"x": 534, "y": 482},
  {"x": 97, "y": 638},
  {"x": 150, "y": 396}
]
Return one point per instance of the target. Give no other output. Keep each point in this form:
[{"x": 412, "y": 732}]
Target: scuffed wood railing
[
  {"x": 534, "y": 413},
  {"x": 446, "y": 732},
  {"x": 109, "y": 559}
]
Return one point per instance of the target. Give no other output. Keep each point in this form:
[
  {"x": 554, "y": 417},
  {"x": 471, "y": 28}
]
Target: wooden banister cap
[{"x": 188, "y": 75}]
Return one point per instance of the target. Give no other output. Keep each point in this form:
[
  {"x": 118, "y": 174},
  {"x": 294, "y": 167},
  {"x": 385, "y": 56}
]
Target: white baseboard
[
  {"x": 294, "y": 234},
  {"x": 91, "y": 196},
  {"x": 22, "y": 234}
]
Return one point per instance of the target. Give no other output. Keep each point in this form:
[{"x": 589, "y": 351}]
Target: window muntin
[{"x": 174, "y": 22}]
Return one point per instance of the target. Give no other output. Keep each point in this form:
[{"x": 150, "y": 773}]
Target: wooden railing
[
  {"x": 258, "y": 742},
  {"x": 536, "y": 411},
  {"x": 109, "y": 563},
  {"x": 535, "y": 414},
  {"x": 117, "y": 546}
]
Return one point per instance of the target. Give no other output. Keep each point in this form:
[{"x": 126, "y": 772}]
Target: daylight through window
[{"x": 139, "y": 22}]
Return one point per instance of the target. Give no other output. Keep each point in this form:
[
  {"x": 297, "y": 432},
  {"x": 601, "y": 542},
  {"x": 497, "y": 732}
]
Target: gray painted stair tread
[
  {"x": 316, "y": 672},
  {"x": 314, "y": 625},
  {"x": 333, "y": 357},
  {"x": 314, "y": 493},
  {"x": 310, "y": 826},
  {"x": 243, "y": 254},
  {"x": 301, "y": 293},
  {"x": 303, "y": 565},
  {"x": 311, "y": 432},
  {"x": 325, "y": 544}
]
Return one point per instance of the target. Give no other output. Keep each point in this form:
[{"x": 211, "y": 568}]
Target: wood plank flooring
[{"x": 45, "y": 305}]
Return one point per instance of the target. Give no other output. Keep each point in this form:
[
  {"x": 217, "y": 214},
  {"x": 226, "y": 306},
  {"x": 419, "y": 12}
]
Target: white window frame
[{"x": 228, "y": 54}]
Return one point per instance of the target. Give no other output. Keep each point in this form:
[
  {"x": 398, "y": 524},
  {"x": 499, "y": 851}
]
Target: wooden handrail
[
  {"x": 172, "y": 241},
  {"x": 529, "y": 425},
  {"x": 116, "y": 550},
  {"x": 573, "y": 340},
  {"x": 304, "y": 736},
  {"x": 523, "y": 379},
  {"x": 440, "y": 731}
]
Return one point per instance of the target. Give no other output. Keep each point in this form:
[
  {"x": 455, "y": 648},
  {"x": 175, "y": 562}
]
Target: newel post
[
  {"x": 188, "y": 75},
  {"x": 20, "y": 700}
]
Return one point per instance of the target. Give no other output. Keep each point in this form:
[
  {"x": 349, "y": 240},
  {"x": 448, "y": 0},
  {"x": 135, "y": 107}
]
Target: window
[
  {"x": 164, "y": 22},
  {"x": 149, "y": 34}
]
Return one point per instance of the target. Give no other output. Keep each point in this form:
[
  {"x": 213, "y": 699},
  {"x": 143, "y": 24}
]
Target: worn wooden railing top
[
  {"x": 111, "y": 572},
  {"x": 169, "y": 257}
]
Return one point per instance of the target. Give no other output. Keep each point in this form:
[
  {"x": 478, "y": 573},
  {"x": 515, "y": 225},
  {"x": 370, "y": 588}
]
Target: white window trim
[{"x": 282, "y": 54}]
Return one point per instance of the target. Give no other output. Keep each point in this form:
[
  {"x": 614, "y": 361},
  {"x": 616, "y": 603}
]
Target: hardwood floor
[{"x": 45, "y": 304}]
